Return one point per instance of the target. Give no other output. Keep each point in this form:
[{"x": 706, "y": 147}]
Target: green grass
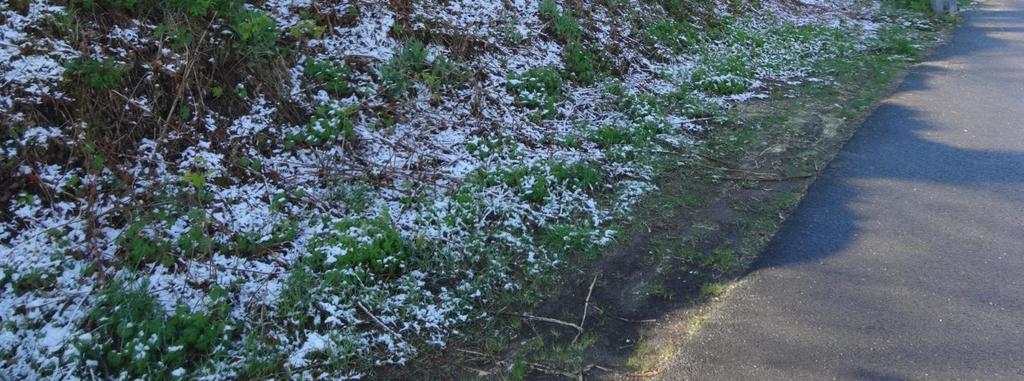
[
  {"x": 712, "y": 290},
  {"x": 131, "y": 335}
]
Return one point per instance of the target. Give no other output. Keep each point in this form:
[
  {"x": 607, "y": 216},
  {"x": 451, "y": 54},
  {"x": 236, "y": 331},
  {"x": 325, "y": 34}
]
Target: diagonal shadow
[{"x": 904, "y": 259}]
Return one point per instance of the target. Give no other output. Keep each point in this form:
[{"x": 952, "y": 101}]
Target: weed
[
  {"x": 122, "y": 4},
  {"x": 131, "y": 336},
  {"x": 723, "y": 259},
  {"x": 559, "y": 354},
  {"x": 609, "y": 136},
  {"x": 712, "y": 290},
  {"x": 412, "y": 64},
  {"x": 567, "y": 27},
  {"x": 261, "y": 361},
  {"x": 583, "y": 65},
  {"x": 539, "y": 88},
  {"x": 578, "y": 175},
  {"x": 658, "y": 289},
  {"x": 357, "y": 197},
  {"x": 896, "y": 43},
  {"x": 573, "y": 239},
  {"x": 330, "y": 123},
  {"x": 503, "y": 146},
  {"x": 510, "y": 32},
  {"x": 307, "y": 27},
  {"x": 335, "y": 78},
  {"x": 723, "y": 85},
  {"x": 204, "y": 7},
  {"x": 443, "y": 73},
  {"x": 179, "y": 38},
  {"x": 256, "y": 34},
  {"x": 140, "y": 248},
  {"x": 616, "y": 89},
  {"x": 672, "y": 34},
  {"x": 95, "y": 74},
  {"x": 371, "y": 245},
  {"x": 564, "y": 25},
  {"x": 256, "y": 243},
  {"x": 548, "y": 10},
  {"x": 396, "y": 81},
  {"x": 34, "y": 280}
]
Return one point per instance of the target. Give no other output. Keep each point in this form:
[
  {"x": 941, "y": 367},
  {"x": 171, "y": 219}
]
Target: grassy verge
[
  {"x": 256, "y": 190},
  {"x": 716, "y": 207}
]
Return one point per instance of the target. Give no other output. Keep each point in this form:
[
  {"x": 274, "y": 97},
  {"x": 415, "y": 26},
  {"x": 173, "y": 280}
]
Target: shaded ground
[{"x": 905, "y": 259}]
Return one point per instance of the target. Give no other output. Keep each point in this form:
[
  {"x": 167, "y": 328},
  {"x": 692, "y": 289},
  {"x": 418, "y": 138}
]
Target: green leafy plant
[
  {"x": 256, "y": 34},
  {"x": 673, "y": 34},
  {"x": 140, "y": 248},
  {"x": 583, "y": 65},
  {"x": 205, "y": 8},
  {"x": 179, "y": 38},
  {"x": 335, "y": 78},
  {"x": 96, "y": 74},
  {"x": 896, "y": 43},
  {"x": 371, "y": 245},
  {"x": 130, "y": 335},
  {"x": 330, "y": 123},
  {"x": 539, "y": 88},
  {"x": 569, "y": 238},
  {"x": 548, "y": 10},
  {"x": 123, "y": 4},
  {"x": 562, "y": 24}
]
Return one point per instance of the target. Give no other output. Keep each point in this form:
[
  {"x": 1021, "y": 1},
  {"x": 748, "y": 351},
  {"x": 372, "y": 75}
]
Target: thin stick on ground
[
  {"x": 376, "y": 320},
  {"x": 586, "y": 306},
  {"x": 550, "y": 320}
]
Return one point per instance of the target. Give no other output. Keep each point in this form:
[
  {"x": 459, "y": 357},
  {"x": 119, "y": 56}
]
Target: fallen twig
[
  {"x": 550, "y": 320},
  {"x": 586, "y": 306},
  {"x": 376, "y": 320}
]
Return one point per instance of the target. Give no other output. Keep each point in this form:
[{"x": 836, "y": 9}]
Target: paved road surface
[{"x": 906, "y": 259}]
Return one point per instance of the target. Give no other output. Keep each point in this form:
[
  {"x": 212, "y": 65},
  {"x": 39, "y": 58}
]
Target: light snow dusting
[{"x": 333, "y": 204}]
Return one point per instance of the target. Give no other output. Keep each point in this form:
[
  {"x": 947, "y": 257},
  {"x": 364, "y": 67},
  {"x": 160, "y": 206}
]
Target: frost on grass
[{"x": 310, "y": 189}]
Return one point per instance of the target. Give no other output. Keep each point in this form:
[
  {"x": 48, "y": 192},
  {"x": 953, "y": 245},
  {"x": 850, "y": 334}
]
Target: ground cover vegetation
[{"x": 228, "y": 189}]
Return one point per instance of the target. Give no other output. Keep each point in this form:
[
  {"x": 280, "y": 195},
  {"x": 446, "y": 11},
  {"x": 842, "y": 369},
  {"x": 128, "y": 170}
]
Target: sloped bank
[{"x": 219, "y": 190}]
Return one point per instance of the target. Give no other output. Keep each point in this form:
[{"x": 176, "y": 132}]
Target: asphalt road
[{"x": 905, "y": 260}]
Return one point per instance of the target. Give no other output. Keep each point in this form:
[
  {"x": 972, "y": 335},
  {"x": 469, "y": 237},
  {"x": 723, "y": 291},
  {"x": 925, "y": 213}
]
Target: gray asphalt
[{"x": 905, "y": 261}]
